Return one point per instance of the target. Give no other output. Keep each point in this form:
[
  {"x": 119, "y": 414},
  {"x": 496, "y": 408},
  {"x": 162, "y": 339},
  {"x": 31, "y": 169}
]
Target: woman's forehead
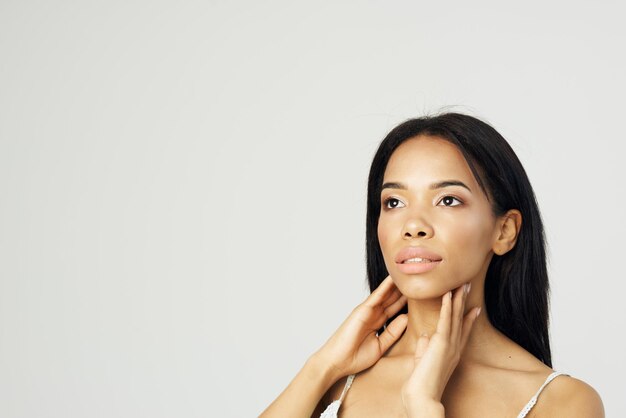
[{"x": 424, "y": 159}]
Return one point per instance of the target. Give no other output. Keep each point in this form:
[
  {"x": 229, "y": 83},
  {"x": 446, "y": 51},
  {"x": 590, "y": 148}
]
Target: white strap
[
  {"x": 533, "y": 400},
  {"x": 347, "y": 386},
  {"x": 332, "y": 410}
]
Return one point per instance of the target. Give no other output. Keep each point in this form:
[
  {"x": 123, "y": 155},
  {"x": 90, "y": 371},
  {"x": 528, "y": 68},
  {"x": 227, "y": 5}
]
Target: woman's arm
[
  {"x": 352, "y": 348},
  {"x": 304, "y": 392}
]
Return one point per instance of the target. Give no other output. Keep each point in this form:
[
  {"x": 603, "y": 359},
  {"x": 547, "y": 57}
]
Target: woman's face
[{"x": 420, "y": 210}]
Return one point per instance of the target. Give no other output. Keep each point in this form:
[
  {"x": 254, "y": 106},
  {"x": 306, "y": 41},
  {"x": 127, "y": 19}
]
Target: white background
[{"x": 182, "y": 184}]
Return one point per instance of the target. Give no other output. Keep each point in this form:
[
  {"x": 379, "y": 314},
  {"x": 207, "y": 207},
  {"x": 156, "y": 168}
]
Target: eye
[
  {"x": 391, "y": 199},
  {"x": 448, "y": 200}
]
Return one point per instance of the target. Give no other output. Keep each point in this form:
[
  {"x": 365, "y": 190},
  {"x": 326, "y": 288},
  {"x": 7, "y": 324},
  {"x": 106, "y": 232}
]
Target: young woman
[{"x": 457, "y": 270}]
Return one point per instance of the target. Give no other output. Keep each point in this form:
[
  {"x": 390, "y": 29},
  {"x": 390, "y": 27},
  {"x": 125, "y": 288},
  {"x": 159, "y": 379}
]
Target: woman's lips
[
  {"x": 429, "y": 261},
  {"x": 416, "y": 268},
  {"x": 412, "y": 252}
]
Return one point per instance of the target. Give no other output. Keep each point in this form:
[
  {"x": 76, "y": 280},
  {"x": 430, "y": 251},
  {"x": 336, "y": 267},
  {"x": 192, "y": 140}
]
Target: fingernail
[
  {"x": 468, "y": 286},
  {"x": 478, "y": 312}
]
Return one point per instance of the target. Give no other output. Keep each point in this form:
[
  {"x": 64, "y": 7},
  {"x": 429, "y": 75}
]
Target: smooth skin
[
  {"x": 443, "y": 359},
  {"x": 436, "y": 357}
]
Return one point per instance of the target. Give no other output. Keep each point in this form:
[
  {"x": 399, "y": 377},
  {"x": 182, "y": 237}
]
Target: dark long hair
[{"x": 516, "y": 285}]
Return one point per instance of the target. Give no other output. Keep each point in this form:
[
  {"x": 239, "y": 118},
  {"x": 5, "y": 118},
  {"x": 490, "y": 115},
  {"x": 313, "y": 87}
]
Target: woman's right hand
[{"x": 355, "y": 346}]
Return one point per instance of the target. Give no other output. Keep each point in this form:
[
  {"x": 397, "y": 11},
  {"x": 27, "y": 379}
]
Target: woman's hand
[
  {"x": 352, "y": 348},
  {"x": 437, "y": 357},
  {"x": 355, "y": 346}
]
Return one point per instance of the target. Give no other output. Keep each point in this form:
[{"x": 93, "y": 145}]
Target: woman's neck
[{"x": 423, "y": 318}]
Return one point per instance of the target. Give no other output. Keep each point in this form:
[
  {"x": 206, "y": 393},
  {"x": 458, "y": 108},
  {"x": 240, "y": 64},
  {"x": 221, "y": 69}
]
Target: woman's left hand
[{"x": 437, "y": 356}]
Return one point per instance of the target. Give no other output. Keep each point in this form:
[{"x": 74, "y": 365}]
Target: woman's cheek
[
  {"x": 471, "y": 244},
  {"x": 382, "y": 236},
  {"x": 382, "y": 241}
]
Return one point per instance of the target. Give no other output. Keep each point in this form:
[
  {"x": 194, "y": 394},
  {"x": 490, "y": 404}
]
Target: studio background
[{"x": 183, "y": 184}]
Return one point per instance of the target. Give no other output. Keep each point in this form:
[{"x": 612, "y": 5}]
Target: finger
[
  {"x": 390, "y": 311},
  {"x": 443, "y": 325},
  {"x": 391, "y": 298},
  {"x": 392, "y": 332},
  {"x": 468, "y": 324},
  {"x": 380, "y": 312},
  {"x": 379, "y": 294},
  {"x": 422, "y": 345},
  {"x": 396, "y": 306},
  {"x": 458, "y": 311}
]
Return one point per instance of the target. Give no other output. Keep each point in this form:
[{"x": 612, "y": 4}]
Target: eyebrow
[{"x": 433, "y": 186}]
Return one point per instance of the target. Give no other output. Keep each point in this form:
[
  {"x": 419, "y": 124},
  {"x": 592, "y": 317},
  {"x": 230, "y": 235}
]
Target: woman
[{"x": 457, "y": 268}]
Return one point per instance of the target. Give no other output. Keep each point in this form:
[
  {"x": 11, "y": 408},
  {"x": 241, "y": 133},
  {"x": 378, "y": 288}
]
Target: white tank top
[{"x": 333, "y": 409}]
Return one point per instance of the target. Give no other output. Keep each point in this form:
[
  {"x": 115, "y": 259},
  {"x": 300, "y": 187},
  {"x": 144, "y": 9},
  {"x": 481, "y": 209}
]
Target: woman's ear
[{"x": 508, "y": 227}]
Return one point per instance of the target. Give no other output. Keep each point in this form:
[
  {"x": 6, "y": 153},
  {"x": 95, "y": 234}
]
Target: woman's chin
[
  {"x": 425, "y": 296},
  {"x": 421, "y": 289},
  {"x": 429, "y": 285}
]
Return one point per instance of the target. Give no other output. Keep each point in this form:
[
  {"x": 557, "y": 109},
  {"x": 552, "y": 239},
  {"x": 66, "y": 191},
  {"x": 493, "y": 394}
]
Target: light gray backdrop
[{"x": 182, "y": 184}]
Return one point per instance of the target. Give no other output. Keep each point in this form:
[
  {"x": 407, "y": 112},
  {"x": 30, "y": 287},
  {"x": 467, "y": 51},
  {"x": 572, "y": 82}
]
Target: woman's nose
[{"x": 417, "y": 229}]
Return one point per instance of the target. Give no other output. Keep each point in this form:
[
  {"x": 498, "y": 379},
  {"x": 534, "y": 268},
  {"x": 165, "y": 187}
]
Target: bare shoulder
[{"x": 571, "y": 397}]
